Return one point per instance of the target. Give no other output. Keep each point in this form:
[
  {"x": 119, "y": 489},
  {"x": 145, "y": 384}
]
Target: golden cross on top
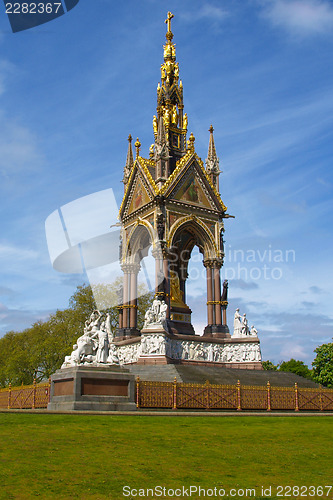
[{"x": 168, "y": 20}]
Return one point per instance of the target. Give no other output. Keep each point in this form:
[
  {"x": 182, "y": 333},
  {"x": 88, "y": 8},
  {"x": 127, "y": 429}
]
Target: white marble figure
[
  {"x": 83, "y": 351},
  {"x": 156, "y": 314},
  {"x": 245, "y": 326},
  {"x": 102, "y": 352},
  {"x": 93, "y": 346},
  {"x": 241, "y": 326},
  {"x": 237, "y": 324},
  {"x": 93, "y": 324},
  {"x": 113, "y": 355},
  {"x": 253, "y": 331}
]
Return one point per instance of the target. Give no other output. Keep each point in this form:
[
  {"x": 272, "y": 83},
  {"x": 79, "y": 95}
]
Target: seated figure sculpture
[
  {"x": 156, "y": 314},
  {"x": 93, "y": 346}
]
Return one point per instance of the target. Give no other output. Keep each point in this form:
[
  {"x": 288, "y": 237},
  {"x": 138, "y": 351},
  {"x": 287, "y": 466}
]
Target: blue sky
[{"x": 260, "y": 71}]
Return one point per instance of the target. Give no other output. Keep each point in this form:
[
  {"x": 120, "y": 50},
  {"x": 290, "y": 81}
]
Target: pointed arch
[{"x": 202, "y": 236}]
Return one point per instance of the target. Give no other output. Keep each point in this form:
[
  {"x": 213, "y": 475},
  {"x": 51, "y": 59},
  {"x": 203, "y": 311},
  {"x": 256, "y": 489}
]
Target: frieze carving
[{"x": 159, "y": 344}]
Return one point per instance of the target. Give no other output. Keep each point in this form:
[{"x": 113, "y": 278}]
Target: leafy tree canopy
[
  {"x": 268, "y": 365},
  {"x": 40, "y": 350},
  {"x": 323, "y": 365},
  {"x": 295, "y": 366}
]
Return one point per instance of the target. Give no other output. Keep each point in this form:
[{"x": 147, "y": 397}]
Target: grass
[{"x": 93, "y": 457}]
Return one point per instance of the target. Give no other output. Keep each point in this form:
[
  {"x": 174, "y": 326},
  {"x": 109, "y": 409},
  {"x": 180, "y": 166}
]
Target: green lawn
[{"x": 93, "y": 457}]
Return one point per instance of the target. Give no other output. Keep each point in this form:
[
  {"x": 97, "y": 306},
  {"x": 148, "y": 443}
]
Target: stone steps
[{"x": 217, "y": 375}]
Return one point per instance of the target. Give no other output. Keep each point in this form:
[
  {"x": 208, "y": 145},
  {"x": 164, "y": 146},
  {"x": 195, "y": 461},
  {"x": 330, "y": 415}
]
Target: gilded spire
[
  {"x": 129, "y": 161},
  {"x": 170, "y": 100},
  {"x": 212, "y": 161}
]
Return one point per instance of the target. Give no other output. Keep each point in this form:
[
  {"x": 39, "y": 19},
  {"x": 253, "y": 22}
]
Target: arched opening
[
  {"x": 189, "y": 239},
  {"x": 196, "y": 290},
  {"x": 137, "y": 248},
  {"x": 188, "y": 235}
]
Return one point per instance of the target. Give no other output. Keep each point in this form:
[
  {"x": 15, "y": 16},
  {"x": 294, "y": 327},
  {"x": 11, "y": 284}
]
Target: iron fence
[
  {"x": 25, "y": 397},
  {"x": 177, "y": 395}
]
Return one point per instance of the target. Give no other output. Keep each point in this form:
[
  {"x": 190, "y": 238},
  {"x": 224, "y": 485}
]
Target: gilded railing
[
  {"x": 25, "y": 397},
  {"x": 283, "y": 398},
  {"x": 314, "y": 399},
  {"x": 253, "y": 397},
  {"x": 177, "y": 395},
  {"x": 206, "y": 396},
  {"x": 154, "y": 394}
]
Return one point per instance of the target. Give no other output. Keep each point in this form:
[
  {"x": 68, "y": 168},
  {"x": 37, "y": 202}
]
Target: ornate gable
[
  {"x": 140, "y": 189},
  {"x": 190, "y": 184}
]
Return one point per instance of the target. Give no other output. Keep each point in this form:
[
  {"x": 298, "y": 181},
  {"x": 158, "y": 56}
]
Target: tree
[
  {"x": 323, "y": 365},
  {"x": 268, "y": 365},
  {"x": 40, "y": 350},
  {"x": 295, "y": 366}
]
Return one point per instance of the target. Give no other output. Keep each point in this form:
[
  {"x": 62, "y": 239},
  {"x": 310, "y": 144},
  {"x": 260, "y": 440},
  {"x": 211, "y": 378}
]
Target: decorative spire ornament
[
  {"x": 129, "y": 161},
  {"x": 212, "y": 161}
]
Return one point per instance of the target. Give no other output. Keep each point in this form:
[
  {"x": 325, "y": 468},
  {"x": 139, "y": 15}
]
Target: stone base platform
[{"x": 92, "y": 389}]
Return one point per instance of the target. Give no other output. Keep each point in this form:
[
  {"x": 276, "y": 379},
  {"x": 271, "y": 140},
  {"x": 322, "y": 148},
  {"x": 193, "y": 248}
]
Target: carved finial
[
  {"x": 212, "y": 160},
  {"x": 137, "y": 147},
  {"x": 169, "y": 34},
  {"x": 190, "y": 142},
  {"x": 129, "y": 160}
]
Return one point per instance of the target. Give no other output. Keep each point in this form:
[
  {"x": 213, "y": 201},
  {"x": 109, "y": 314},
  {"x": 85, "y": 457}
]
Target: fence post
[
  {"x": 34, "y": 395},
  {"x": 207, "y": 394},
  {"x": 174, "y": 406},
  {"x": 321, "y": 397},
  {"x": 9, "y": 396},
  {"x": 138, "y": 392},
  {"x": 296, "y": 397},
  {"x": 49, "y": 389},
  {"x": 268, "y": 396},
  {"x": 239, "y": 408},
  {"x": 21, "y": 398}
]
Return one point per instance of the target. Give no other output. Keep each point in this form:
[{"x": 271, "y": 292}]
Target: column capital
[
  {"x": 130, "y": 268},
  {"x": 213, "y": 263},
  {"x": 157, "y": 253}
]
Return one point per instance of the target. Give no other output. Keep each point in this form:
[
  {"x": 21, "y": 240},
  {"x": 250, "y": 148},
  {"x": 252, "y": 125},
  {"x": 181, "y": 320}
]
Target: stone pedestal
[
  {"x": 217, "y": 331},
  {"x": 92, "y": 389}
]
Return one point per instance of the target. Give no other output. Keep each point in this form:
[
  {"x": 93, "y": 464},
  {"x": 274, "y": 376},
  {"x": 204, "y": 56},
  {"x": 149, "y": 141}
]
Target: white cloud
[
  {"x": 18, "y": 148},
  {"x": 209, "y": 12},
  {"x": 301, "y": 17},
  {"x": 18, "y": 145},
  {"x": 294, "y": 350},
  {"x": 16, "y": 253}
]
